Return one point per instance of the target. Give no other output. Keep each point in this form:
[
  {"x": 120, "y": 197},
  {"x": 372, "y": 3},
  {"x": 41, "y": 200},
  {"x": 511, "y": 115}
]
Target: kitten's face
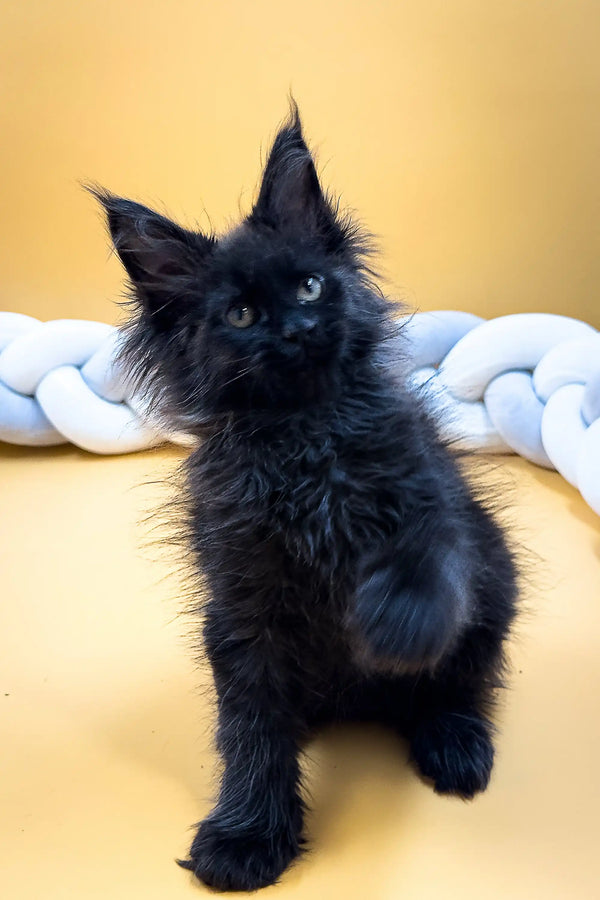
[
  {"x": 264, "y": 317},
  {"x": 274, "y": 317}
]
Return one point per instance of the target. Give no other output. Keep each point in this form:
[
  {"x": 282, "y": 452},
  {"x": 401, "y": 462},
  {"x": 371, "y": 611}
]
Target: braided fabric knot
[
  {"x": 58, "y": 383},
  {"x": 527, "y": 383}
]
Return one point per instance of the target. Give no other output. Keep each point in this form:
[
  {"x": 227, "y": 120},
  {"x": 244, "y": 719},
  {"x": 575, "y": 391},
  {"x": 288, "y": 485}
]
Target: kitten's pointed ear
[
  {"x": 163, "y": 260},
  {"x": 290, "y": 194}
]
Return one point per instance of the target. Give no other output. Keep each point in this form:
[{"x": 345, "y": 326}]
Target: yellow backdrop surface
[{"x": 466, "y": 133}]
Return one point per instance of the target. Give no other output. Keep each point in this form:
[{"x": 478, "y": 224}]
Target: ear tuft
[
  {"x": 290, "y": 195},
  {"x": 162, "y": 259}
]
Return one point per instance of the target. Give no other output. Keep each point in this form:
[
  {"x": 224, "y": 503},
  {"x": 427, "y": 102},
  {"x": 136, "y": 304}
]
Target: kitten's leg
[
  {"x": 254, "y": 831},
  {"x": 445, "y": 709},
  {"x": 447, "y": 714},
  {"x": 449, "y": 733},
  {"x": 454, "y": 749},
  {"x": 451, "y": 730}
]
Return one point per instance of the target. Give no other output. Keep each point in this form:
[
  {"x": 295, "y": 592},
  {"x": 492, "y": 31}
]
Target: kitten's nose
[{"x": 296, "y": 331}]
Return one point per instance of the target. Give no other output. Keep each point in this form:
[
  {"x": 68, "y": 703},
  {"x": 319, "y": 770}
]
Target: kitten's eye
[
  {"x": 310, "y": 289},
  {"x": 242, "y": 316}
]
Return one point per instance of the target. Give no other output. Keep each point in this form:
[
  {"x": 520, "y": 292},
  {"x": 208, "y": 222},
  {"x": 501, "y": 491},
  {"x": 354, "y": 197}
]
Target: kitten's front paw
[
  {"x": 455, "y": 751},
  {"x": 228, "y": 860},
  {"x": 402, "y": 627}
]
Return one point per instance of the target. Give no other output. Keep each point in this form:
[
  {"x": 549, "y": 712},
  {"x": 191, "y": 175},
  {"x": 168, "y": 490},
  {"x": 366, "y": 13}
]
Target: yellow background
[{"x": 466, "y": 132}]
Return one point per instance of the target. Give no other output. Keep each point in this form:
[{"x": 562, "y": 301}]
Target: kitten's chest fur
[
  {"x": 330, "y": 493},
  {"x": 322, "y": 487}
]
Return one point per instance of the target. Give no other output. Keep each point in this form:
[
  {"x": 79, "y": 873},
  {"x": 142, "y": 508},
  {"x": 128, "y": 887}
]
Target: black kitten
[{"x": 351, "y": 571}]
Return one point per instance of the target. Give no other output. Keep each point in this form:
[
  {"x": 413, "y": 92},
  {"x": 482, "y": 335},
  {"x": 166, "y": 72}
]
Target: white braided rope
[
  {"x": 59, "y": 383},
  {"x": 526, "y": 383}
]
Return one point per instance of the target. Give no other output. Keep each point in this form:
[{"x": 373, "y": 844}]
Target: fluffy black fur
[{"x": 351, "y": 570}]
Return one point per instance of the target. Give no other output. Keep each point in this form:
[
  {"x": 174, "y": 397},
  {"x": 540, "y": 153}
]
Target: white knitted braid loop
[
  {"x": 58, "y": 383},
  {"x": 526, "y": 383}
]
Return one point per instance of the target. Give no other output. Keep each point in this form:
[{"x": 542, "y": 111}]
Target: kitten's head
[{"x": 272, "y": 315}]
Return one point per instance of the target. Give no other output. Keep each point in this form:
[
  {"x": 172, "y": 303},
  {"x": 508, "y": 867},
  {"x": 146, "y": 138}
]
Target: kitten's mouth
[{"x": 301, "y": 355}]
